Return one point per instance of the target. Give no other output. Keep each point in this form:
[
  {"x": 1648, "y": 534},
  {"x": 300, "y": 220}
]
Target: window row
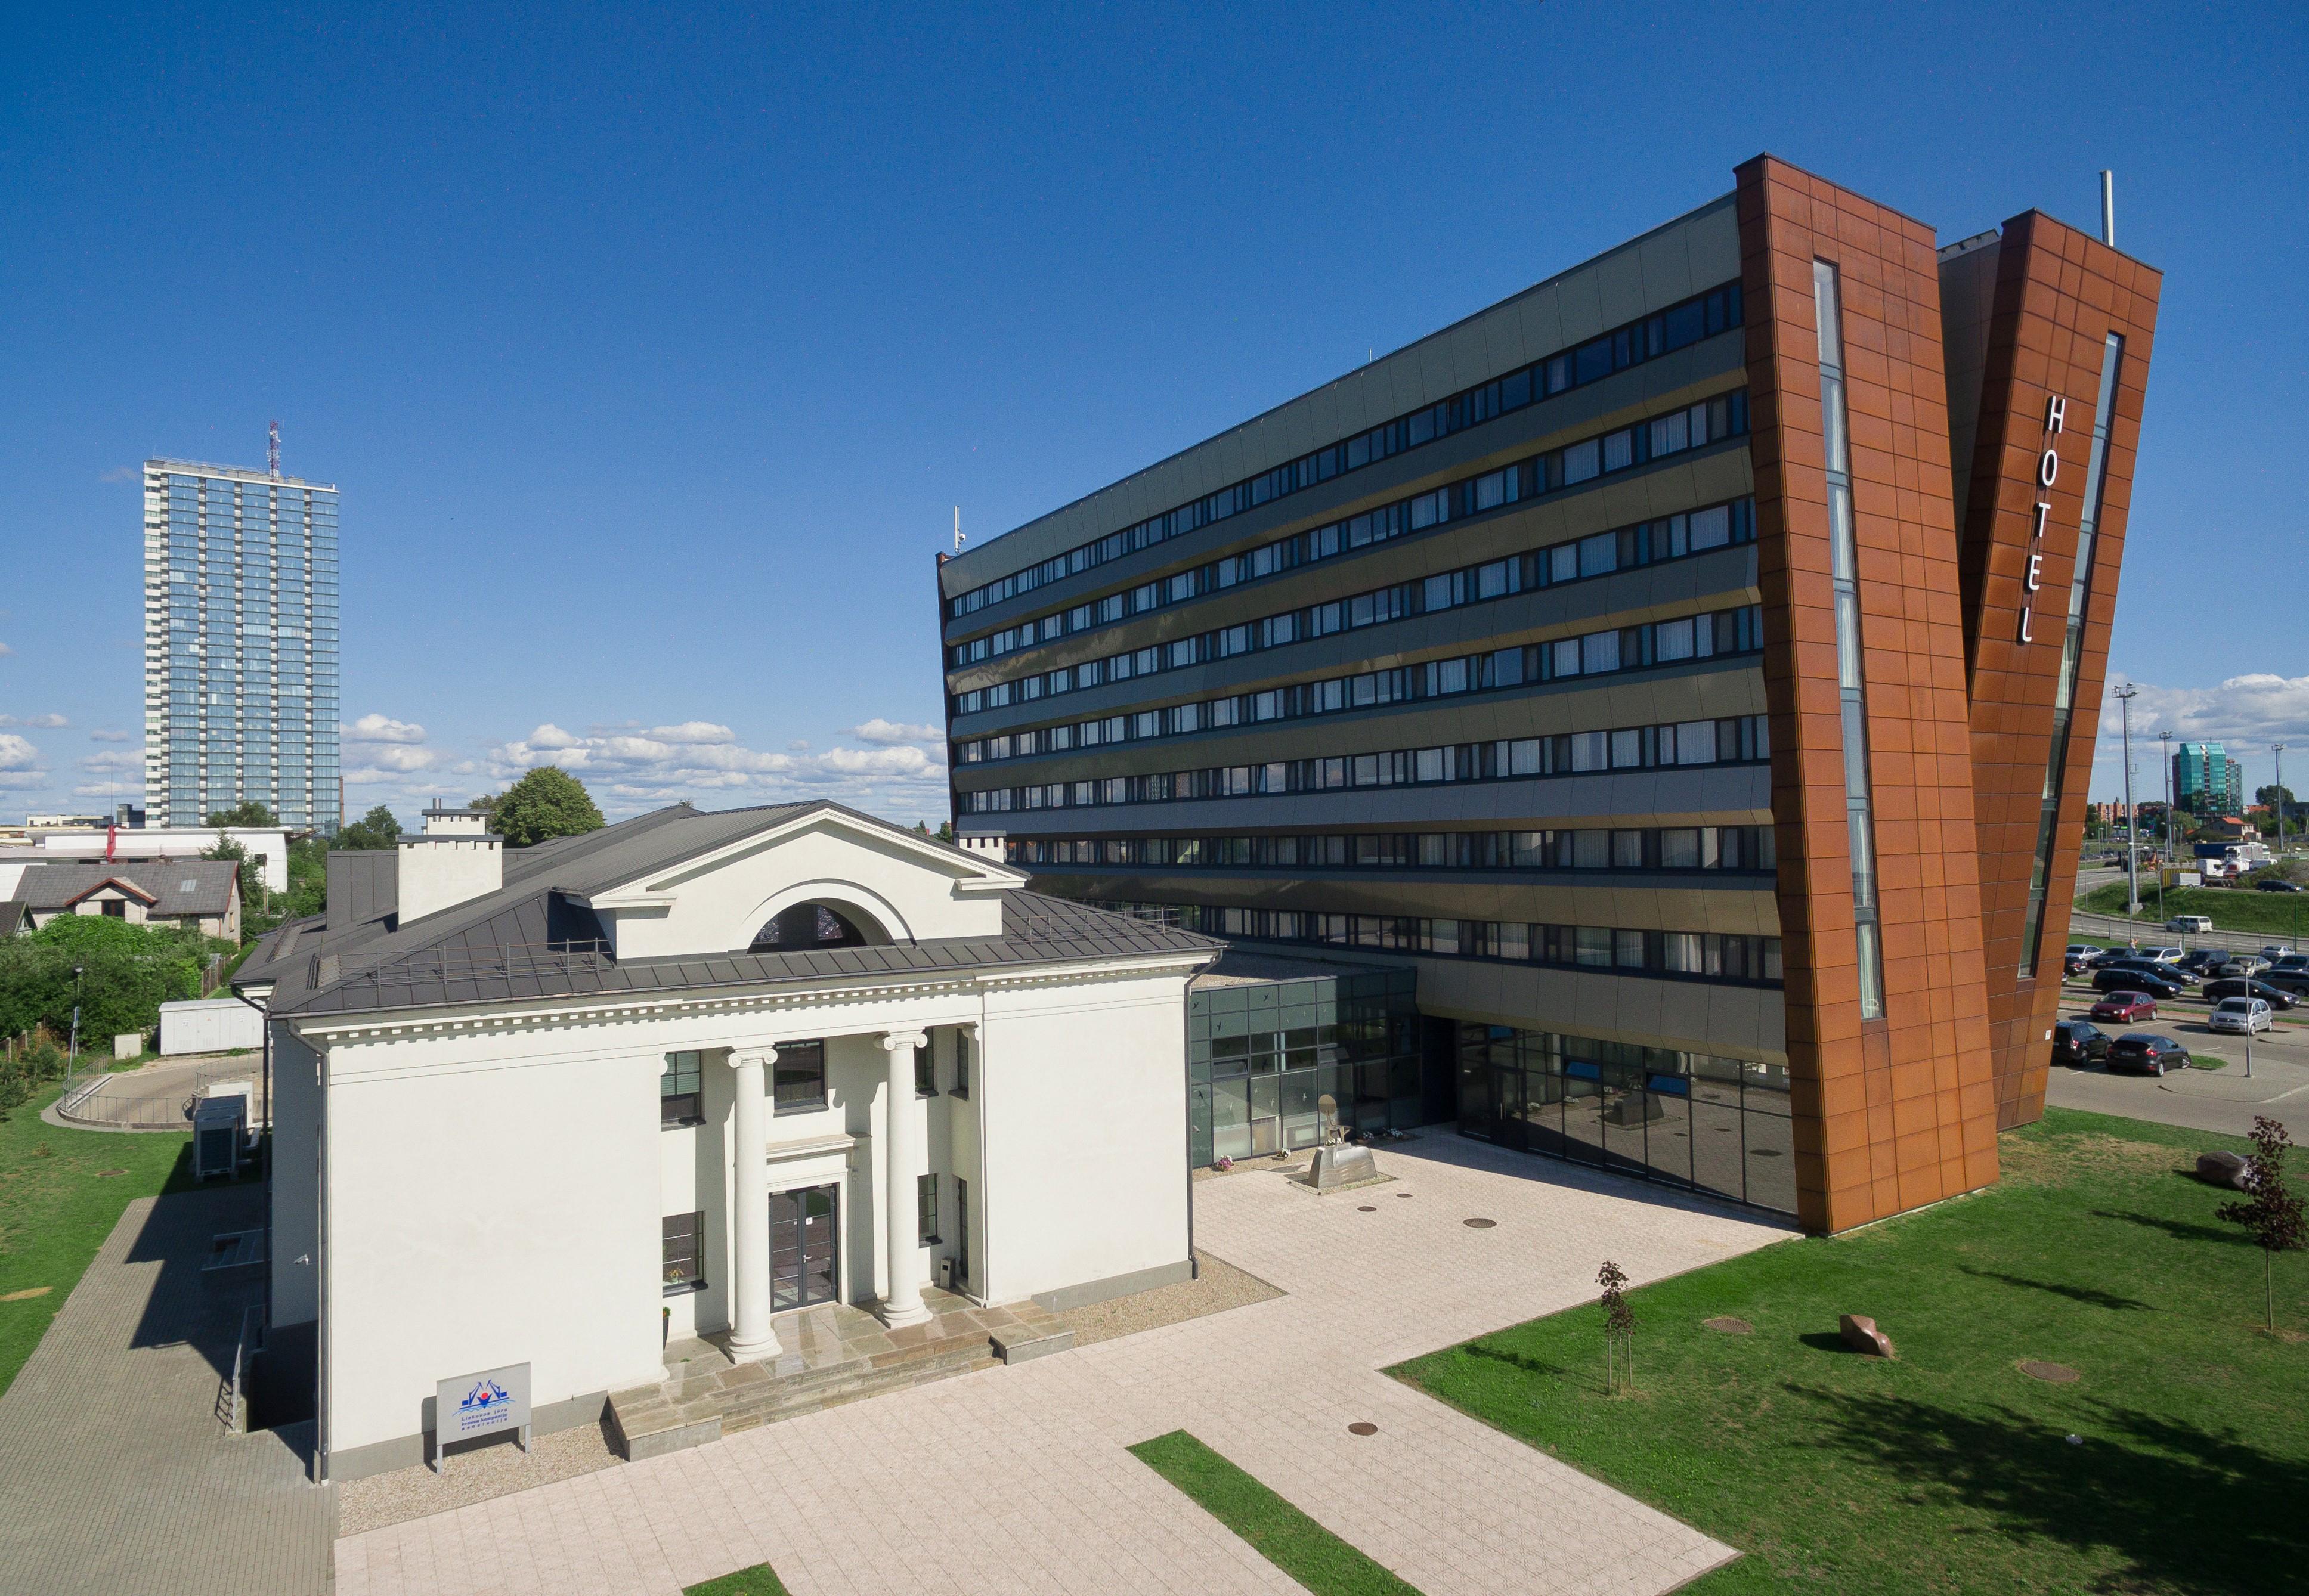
[
  {"x": 1696, "y": 955},
  {"x": 1597, "y": 554},
  {"x": 1718, "y": 633},
  {"x": 1703, "y": 315},
  {"x": 1737, "y": 739},
  {"x": 1648, "y": 848}
]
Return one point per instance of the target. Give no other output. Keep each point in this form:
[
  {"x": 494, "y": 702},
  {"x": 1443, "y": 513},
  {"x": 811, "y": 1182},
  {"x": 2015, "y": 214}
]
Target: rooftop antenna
[
  {"x": 272, "y": 445},
  {"x": 2108, "y": 208},
  {"x": 957, "y": 529}
]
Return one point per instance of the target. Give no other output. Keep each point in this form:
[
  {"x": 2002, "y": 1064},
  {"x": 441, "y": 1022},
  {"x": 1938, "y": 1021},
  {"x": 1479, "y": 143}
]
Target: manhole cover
[
  {"x": 1479, "y": 1224},
  {"x": 1363, "y": 1427},
  {"x": 1730, "y": 1327},
  {"x": 2059, "y": 1374}
]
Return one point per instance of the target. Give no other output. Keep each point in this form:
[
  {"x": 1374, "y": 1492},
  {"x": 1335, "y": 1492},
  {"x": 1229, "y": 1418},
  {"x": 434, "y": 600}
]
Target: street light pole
[
  {"x": 2165, "y": 739},
  {"x": 2125, "y": 696},
  {"x": 2279, "y": 748}
]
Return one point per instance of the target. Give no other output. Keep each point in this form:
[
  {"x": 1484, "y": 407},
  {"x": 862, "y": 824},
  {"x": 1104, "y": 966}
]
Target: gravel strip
[
  {"x": 475, "y": 1476},
  {"x": 1220, "y": 1286}
]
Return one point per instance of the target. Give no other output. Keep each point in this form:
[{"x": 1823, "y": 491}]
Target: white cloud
[
  {"x": 16, "y": 752},
  {"x": 627, "y": 769},
  {"x": 5, "y": 650},
  {"x": 109, "y": 763},
  {"x": 121, "y": 473},
  {"x": 381, "y": 728},
  {"x": 2244, "y": 714},
  {"x": 104, "y": 735},
  {"x": 109, "y": 790},
  {"x": 39, "y": 722},
  {"x": 879, "y": 730}
]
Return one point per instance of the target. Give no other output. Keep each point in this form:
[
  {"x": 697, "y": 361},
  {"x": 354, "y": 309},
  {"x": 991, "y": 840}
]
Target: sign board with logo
[{"x": 480, "y": 1404}]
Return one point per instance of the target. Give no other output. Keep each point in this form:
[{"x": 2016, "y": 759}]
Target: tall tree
[
  {"x": 548, "y": 802},
  {"x": 247, "y": 812},
  {"x": 2270, "y": 1212},
  {"x": 376, "y": 829}
]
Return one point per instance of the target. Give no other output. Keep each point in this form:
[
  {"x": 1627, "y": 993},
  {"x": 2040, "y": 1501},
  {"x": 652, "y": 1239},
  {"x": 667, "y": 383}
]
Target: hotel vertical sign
[{"x": 2048, "y": 471}]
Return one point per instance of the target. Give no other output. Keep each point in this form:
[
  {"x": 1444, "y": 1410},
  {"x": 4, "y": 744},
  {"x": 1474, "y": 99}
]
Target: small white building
[
  {"x": 266, "y": 846},
  {"x": 675, "y": 1077}
]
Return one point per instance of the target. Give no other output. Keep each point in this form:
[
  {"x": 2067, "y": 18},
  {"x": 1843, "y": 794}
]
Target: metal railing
[
  {"x": 163, "y": 1100},
  {"x": 2152, "y": 933}
]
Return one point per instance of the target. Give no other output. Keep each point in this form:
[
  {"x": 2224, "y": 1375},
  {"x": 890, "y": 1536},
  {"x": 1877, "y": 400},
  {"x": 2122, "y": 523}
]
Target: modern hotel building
[
  {"x": 240, "y": 644},
  {"x": 1686, "y": 669}
]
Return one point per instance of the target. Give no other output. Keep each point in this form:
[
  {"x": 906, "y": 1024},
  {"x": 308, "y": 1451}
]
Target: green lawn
[
  {"x": 1949, "y": 1470},
  {"x": 1278, "y": 1531},
  {"x": 61, "y": 1193},
  {"x": 2238, "y": 908},
  {"x": 760, "y": 1580}
]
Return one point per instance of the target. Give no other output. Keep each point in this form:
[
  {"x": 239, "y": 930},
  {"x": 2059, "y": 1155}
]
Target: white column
[
  {"x": 905, "y": 1149},
  {"x": 751, "y": 1339}
]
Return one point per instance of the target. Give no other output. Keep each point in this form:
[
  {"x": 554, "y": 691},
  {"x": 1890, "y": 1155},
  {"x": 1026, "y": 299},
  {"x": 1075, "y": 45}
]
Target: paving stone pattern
[
  {"x": 116, "y": 1475},
  {"x": 1015, "y": 1478}
]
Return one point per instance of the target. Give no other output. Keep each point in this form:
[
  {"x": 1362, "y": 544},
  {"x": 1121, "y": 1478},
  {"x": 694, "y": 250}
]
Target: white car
[
  {"x": 2274, "y": 951},
  {"x": 2243, "y": 1015},
  {"x": 2189, "y": 925},
  {"x": 2163, "y": 955}
]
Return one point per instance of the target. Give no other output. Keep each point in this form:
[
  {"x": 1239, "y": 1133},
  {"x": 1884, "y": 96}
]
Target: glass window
[
  {"x": 799, "y": 1077},
  {"x": 926, "y": 1208},
  {"x": 925, "y": 1073},
  {"x": 678, "y": 1099},
  {"x": 961, "y": 1064},
  {"x": 683, "y": 1251}
]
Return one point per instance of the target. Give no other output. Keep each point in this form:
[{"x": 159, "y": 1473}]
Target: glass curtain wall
[
  {"x": 1263, "y": 1054},
  {"x": 1687, "y": 1120},
  {"x": 1852, "y": 685}
]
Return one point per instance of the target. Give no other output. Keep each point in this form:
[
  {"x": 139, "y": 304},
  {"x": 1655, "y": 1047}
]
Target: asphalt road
[{"x": 2225, "y": 1100}]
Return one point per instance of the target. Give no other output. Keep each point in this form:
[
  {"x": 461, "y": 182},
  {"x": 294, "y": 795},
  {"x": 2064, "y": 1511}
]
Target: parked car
[
  {"x": 2146, "y": 981},
  {"x": 2243, "y": 1015},
  {"x": 2233, "y": 965},
  {"x": 2122, "y": 1009},
  {"x": 2293, "y": 983},
  {"x": 2075, "y": 1043},
  {"x": 2189, "y": 925},
  {"x": 2276, "y": 884},
  {"x": 2148, "y": 1053},
  {"x": 2163, "y": 955},
  {"x": 2276, "y": 996},
  {"x": 2291, "y": 965},
  {"x": 2274, "y": 951},
  {"x": 2161, "y": 969},
  {"x": 2202, "y": 960}
]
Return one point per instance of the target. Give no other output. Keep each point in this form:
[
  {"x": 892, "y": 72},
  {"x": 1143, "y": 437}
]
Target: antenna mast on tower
[
  {"x": 957, "y": 529},
  {"x": 273, "y": 447}
]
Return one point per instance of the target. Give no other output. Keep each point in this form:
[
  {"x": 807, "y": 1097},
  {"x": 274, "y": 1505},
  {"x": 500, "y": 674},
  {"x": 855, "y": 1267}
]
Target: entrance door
[{"x": 805, "y": 1248}]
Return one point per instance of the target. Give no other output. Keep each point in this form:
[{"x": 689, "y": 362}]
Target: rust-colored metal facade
[
  {"x": 1895, "y": 1112},
  {"x": 2029, "y": 311}
]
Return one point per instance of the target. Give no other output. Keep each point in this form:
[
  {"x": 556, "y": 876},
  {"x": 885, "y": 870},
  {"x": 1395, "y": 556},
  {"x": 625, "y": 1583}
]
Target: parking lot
[{"x": 2225, "y": 1098}]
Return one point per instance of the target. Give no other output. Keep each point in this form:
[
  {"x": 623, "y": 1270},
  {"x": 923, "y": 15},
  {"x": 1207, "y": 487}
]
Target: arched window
[{"x": 808, "y": 928}]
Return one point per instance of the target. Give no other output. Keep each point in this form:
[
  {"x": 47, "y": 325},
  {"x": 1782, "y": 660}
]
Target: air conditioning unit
[{"x": 219, "y": 1125}]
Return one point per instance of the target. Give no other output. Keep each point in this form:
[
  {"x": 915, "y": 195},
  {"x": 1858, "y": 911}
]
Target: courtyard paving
[{"x": 1016, "y": 1480}]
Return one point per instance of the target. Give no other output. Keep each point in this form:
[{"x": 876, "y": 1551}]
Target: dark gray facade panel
[
  {"x": 1726, "y": 902},
  {"x": 1730, "y": 795},
  {"x": 1693, "y": 252}
]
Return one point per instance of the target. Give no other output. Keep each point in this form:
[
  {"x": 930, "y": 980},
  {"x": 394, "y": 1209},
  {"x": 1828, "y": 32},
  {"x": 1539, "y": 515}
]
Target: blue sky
[{"x": 651, "y": 346}]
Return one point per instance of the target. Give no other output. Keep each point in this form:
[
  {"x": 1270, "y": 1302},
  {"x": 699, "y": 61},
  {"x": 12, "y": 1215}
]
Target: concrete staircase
[{"x": 834, "y": 1355}]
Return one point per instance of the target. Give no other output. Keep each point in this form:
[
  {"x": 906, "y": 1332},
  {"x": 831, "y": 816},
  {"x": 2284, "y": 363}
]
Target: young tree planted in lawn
[
  {"x": 1618, "y": 1332},
  {"x": 2271, "y": 1212}
]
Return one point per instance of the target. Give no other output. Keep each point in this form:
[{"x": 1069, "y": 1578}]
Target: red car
[{"x": 2126, "y": 1007}]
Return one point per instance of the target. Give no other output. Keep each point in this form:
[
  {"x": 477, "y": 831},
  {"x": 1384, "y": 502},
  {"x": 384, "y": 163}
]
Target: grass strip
[
  {"x": 1953, "y": 1469},
  {"x": 1278, "y": 1531},
  {"x": 61, "y": 1192},
  {"x": 760, "y": 1580}
]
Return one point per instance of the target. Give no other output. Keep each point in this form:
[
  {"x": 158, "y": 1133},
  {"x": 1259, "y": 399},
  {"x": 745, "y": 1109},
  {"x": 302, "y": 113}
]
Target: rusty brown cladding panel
[
  {"x": 2057, "y": 294},
  {"x": 1896, "y": 1113}
]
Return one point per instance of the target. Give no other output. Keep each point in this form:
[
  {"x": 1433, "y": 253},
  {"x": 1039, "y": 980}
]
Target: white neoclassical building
[{"x": 548, "y": 1110}]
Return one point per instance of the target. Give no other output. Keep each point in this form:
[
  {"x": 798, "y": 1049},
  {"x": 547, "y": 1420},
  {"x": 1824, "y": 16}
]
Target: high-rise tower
[{"x": 240, "y": 644}]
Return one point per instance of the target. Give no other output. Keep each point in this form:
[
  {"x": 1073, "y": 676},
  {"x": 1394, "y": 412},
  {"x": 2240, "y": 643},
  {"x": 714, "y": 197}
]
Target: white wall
[
  {"x": 488, "y": 1209},
  {"x": 267, "y": 847},
  {"x": 209, "y": 1025},
  {"x": 1084, "y": 1113}
]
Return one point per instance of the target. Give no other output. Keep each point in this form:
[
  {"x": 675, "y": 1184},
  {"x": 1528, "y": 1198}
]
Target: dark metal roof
[
  {"x": 533, "y": 938},
  {"x": 363, "y": 885},
  {"x": 12, "y": 916},
  {"x": 175, "y": 888}
]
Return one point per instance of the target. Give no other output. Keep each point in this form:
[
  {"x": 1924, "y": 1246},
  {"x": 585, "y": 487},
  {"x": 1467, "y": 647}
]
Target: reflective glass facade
[
  {"x": 240, "y": 644},
  {"x": 1262, "y": 1055}
]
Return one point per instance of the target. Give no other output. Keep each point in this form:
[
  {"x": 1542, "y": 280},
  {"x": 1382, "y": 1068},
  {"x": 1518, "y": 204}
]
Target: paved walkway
[
  {"x": 116, "y": 1476},
  {"x": 1017, "y": 1478}
]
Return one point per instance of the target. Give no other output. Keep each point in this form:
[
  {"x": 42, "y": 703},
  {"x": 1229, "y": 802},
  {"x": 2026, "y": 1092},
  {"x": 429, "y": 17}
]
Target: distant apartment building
[
  {"x": 240, "y": 644},
  {"x": 2206, "y": 781},
  {"x": 1687, "y": 670}
]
